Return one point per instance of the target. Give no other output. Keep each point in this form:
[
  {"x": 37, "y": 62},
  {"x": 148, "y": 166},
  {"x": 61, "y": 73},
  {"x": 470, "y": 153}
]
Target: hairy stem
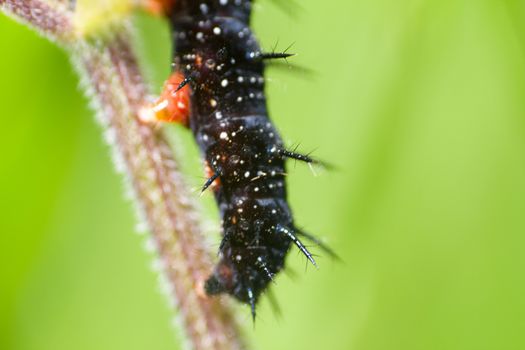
[
  {"x": 116, "y": 88},
  {"x": 50, "y": 18}
]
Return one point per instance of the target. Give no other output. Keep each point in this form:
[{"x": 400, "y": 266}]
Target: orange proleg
[
  {"x": 159, "y": 7},
  {"x": 173, "y": 105}
]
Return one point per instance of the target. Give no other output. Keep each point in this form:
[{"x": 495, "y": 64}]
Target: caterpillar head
[
  {"x": 243, "y": 280},
  {"x": 244, "y": 272}
]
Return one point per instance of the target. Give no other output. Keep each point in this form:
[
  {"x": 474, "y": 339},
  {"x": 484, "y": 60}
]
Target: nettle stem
[{"x": 113, "y": 82}]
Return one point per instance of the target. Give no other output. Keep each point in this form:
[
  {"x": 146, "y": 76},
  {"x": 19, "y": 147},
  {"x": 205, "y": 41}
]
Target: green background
[{"x": 420, "y": 104}]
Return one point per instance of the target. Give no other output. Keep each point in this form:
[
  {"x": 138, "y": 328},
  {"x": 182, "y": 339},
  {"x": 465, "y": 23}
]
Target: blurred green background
[{"x": 419, "y": 103}]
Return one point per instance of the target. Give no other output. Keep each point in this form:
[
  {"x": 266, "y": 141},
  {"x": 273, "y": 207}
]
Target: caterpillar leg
[{"x": 297, "y": 242}]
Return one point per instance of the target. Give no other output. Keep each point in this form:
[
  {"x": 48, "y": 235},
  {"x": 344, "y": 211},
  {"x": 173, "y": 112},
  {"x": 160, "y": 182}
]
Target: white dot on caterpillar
[
  {"x": 216, "y": 30},
  {"x": 224, "y": 83},
  {"x": 204, "y": 8},
  {"x": 255, "y": 206},
  {"x": 256, "y": 189},
  {"x": 246, "y": 174},
  {"x": 274, "y": 211},
  {"x": 223, "y": 135},
  {"x": 218, "y": 115},
  {"x": 239, "y": 99},
  {"x": 213, "y": 103},
  {"x": 205, "y": 137},
  {"x": 238, "y": 257},
  {"x": 239, "y": 210},
  {"x": 223, "y": 2},
  {"x": 253, "y": 80},
  {"x": 252, "y": 95},
  {"x": 240, "y": 79},
  {"x": 199, "y": 35},
  {"x": 210, "y": 63},
  {"x": 241, "y": 35}
]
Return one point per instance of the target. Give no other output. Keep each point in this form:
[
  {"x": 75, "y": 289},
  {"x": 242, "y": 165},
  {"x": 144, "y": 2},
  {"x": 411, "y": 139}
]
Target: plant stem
[
  {"x": 112, "y": 80},
  {"x": 51, "y": 18}
]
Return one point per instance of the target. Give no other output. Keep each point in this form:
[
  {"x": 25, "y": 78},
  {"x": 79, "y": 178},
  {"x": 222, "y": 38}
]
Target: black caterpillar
[{"x": 222, "y": 63}]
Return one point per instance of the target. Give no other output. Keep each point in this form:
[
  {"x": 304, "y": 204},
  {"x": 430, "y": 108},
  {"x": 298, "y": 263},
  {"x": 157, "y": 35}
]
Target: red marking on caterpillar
[
  {"x": 159, "y": 7},
  {"x": 173, "y": 105}
]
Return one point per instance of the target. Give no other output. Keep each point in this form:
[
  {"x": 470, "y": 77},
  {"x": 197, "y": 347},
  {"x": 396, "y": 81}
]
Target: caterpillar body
[{"x": 219, "y": 68}]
